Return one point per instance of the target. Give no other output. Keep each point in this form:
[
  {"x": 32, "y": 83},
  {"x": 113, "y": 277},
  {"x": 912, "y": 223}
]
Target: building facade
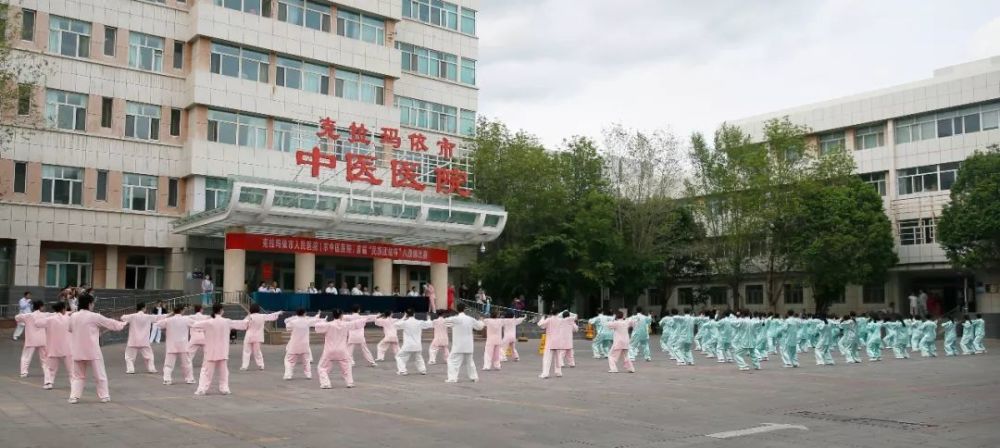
[
  {"x": 154, "y": 128},
  {"x": 908, "y": 142}
]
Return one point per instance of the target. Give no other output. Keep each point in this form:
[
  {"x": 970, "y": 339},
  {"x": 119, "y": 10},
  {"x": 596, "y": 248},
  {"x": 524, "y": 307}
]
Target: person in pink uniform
[
  {"x": 440, "y": 341},
  {"x": 298, "y": 344},
  {"x": 56, "y": 327},
  {"x": 34, "y": 337},
  {"x": 216, "y": 357},
  {"x": 178, "y": 327},
  {"x": 357, "y": 338},
  {"x": 255, "y": 336},
  {"x": 390, "y": 338},
  {"x": 335, "y": 347},
  {"x": 197, "y": 336},
  {"x": 85, "y": 348},
  {"x": 620, "y": 344},
  {"x": 558, "y": 341},
  {"x": 494, "y": 336},
  {"x": 509, "y": 341},
  {"x": 140, "y": 326},
  {"x": 568, "y": 331},
  {"x": 431, "y": 297}
]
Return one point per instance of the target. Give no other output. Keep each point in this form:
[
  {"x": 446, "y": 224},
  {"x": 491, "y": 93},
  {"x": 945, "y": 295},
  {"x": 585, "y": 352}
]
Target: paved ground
[{"x": 943, "y": 402}]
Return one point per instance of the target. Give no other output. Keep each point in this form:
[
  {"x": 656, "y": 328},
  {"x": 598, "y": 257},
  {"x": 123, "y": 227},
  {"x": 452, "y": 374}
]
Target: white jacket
[
  {"x": 412, "y": 329},
  {"x": 461, "y": 332}
]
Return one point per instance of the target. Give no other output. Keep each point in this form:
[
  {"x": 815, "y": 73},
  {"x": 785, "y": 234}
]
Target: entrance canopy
[{"x": 265, "y": 206}]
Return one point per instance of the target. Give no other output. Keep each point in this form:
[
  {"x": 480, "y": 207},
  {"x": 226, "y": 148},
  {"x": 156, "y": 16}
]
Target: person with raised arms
[
  {"x": 216, "y": 357},
  {"x": 412, "y": 342},
  {"x": 85, "y": 348},
  {"x": 178, "y": 328}
]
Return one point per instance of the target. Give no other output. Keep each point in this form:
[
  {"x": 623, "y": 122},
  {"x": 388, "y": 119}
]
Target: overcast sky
[{"x": 558, "y": 68}]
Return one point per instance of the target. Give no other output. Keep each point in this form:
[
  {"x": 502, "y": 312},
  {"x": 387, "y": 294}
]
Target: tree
[
  {"x": 969, "y": 228},
  {"x": 843, "y": 235},
  {"x": 19, "y": 73}
]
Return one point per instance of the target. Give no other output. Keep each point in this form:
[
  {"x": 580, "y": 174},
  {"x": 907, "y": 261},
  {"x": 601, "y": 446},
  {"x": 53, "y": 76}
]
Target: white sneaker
[
  {"x": 106, "y": 400},
  {"x": 226, "y": 392},
  {"x": 326, "y": 386},
  {"x": 401, "y": 373},
  {"x": 243, "y": 369},
  {"x": 350, "y": 386},
  {"x": 424, "y": 372},
  {"x": 24, "y": 375},
  {"x": 47, "y": 386},
  {"x": 74, "y": 400},
  {"x": 543, "y": 376},
  {"x": 189, "y": 382},
  {"x": 199, "y": 393},
  {"x": 612, "y": 371},
  {"x": 167, "y": 382},
  {"x": 451, "y": 381}
]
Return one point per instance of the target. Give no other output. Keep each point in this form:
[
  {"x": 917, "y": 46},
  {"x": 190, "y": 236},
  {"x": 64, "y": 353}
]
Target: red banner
[{"x": 334, "y": 248}]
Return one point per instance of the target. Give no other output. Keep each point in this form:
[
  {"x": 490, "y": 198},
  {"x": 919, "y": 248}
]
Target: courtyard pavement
[{"x": 940, "y": 402}]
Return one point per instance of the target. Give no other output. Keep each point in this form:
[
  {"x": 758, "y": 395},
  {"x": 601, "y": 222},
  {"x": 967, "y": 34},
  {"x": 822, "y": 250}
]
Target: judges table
[{"x": 326, "y": 302}]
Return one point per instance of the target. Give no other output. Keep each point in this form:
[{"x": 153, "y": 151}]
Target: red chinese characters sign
[
  {"x": 404, "y": 174},
  {"x": 333, "y": 248}
]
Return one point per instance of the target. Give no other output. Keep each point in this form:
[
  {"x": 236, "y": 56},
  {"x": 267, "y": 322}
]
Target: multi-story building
[
  {"x": 908, "y": 141},
  {"x": 157, "y": 127}
]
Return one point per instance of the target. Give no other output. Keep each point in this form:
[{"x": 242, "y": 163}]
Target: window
[
  {"x": 62, "y": 185},
  {"x": 296, "y": 74},
  {"x": 27, "y": 24},
  {"x": 916, "y": 231},
  {"x": 427, "y": 115},
  {"x": 685, "y": 296},
  {"x": 102, "y": 185},
  {"x": 434, "y": 12},
  {"x": 869, "y": 137},
  {"x": 915, "y": 129},
  {"x": 143, "y": 272},
  {"x": 354, "y": 25},
  {"x": 236, "y": 129},
  {"x": 175, "y": 122},
  {"x": 948, "y": 123},
  {"x": 718, "y": 295},
  {"x": 359, "y": 87},
  {"x": 145, "y": 52},
  {"x": 793, "y": 294},
  {"x": 309, "y": 14},
  {"x": 107, "y": 107},
  {"x": 429, "y": 62},
  {"x": 178, "y": 54},
  {"x": 139, "y": 192},
  {"x": 23, "y": 99},
  {"x": 239, "y": 62},
  {"x": 927, "y": 178},
  {"x": 467, "y": 126},
  {"x": 69, "y": 37},
  {"x": 110, "y": 40},
  {"x": 142, "y": 121},
  {"x": 831, "y": 142},
  {"x": 290, "y": 136},
  {"x": 20, "y": 177},
  {"x": 256, "y": 7},
  {"x": 469, "y": 71},
  {"x": 172, "y": 186},
  {"x": 66, "y": 110},
  {"x": 468, "y": 21},
  {"x": 754, "y": 294},
  {"x": 873, "y": 293},
  {"x": 216, "y": 193},
  {"x": 67, "y": 267},
  {"x": 877, "y": 180}
]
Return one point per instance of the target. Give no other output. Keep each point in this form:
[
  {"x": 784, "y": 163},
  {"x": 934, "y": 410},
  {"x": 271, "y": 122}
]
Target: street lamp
[{"x": 482, "y": 248}]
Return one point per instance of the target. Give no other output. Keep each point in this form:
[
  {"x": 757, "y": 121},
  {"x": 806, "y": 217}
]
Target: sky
[{"x": 559, "y": 68}]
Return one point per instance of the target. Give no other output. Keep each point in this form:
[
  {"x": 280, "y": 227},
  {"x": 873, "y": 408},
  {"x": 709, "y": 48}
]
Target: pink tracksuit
[
  {"x": 440, "y": 341},
  {"x": 555, "y": 343},
  {"x": 357, "y": 338},
  {"x": 140, "y": 326},
  {"x": 254, "y": 337},
  {"x": 197, "y": 336},
  {"x": 491, "y": 354},
  {"x": 335, "y": 349},
  {"x": 619, "y": 346},
  {"x": 84, "y": 343},
  {"x": 56, "y": 344},
  {"x": 298, "y": 344},
  {"x": 178, "y": 327},
  {"x": 509, "y": 341},
  {"x": 34, "y": 339},
  {"x": 216, "y": 351},
  {"x": 390, "y": 340}
]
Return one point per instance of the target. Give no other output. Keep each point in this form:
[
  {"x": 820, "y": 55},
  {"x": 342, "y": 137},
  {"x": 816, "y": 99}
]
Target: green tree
[
  {"x": 19, "y": 72},
  {"x": 969, "y": 228}
]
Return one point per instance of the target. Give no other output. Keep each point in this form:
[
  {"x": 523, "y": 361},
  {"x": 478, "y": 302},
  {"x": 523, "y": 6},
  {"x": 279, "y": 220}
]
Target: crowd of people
[{"x": 71, "y": 338}]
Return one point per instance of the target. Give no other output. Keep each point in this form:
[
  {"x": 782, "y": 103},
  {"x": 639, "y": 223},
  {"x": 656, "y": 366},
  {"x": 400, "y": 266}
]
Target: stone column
[
  {"x": 175, "y": 269},
  {"x": 234, "y": 269},
  {"x": 111, "y": 267},
  {"x": 382, "y": 275},
  {"x": 305, "y": 266},
  {"x": 27, "y": 257},
  {"x": 404, "y": 279},
  {"x": 439, "y": 279}
]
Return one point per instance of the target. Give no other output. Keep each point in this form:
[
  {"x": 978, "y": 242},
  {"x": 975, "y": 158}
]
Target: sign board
[{"x": 333, "y": 248}]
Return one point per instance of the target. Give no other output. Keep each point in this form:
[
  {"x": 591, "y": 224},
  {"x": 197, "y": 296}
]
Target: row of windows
[
  {"x": 68, "y": 110},
  {"x": 945, "y": 124},
  {"x": 442, "y": 14},
  {"x": 918, "y": 179},
  {"x": 792, "y": 294},
  {"x": 317, "y": 16},
  {"x": 64, "y": 185},
  {"x": 75, "y": 267},
  {"x": 917, "y": 231},
  {"x": 238, "y": 62},
  {"x": 436, "y": 117},
  {"x": 437, "y": 64},
  {"x": 71, "y": 37}
]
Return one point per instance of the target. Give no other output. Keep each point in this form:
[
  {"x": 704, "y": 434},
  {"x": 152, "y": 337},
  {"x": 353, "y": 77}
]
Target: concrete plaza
[{"x": 941, "y": 402}]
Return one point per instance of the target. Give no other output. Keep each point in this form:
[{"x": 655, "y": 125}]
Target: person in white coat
[
  {"x": 23, "y": 307},
  {"x": 461, "y": 344},
  {"x": 160, "y": 311},
  {"x": 412, "y": 342}
]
